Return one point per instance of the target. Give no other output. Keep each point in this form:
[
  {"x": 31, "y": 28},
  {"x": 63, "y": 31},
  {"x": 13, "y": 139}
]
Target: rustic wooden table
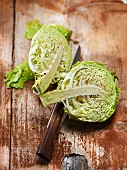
[{"x": 100, "y": 27}]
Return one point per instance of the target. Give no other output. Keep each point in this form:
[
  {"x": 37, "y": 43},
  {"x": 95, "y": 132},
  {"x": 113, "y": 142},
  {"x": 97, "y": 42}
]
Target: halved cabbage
[
  {"x": 92, "y": 108},
  {"x": 44, "y": 49}
]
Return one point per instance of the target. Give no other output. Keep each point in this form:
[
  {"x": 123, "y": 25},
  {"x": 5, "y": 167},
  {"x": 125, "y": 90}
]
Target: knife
[{"x": 56, "y": 119}]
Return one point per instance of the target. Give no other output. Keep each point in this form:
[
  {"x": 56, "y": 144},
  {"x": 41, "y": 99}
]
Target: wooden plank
[
  {"x": 102, "y": 39},
  {"x": 27, "y": 109},
  {"x": 101, "y": 33},
  {"x": 6, "y": 41}
]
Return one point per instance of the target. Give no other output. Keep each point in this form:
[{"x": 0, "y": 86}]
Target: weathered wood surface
[
  {"x": 100, "y": 28},
  {"x": 6, "y": 45}
]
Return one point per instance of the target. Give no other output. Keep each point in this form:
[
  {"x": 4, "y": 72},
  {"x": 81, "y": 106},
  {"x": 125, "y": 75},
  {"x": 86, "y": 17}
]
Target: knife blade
[{"x": 56, "y": 120}]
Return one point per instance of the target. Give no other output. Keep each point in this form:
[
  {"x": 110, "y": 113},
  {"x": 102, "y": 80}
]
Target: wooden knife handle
[{"x": 46, "y": 146}]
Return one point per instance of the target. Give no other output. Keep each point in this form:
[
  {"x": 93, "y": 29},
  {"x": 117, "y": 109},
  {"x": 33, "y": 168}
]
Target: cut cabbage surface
[
  {"x": 91, "y": 108},
  {"x": 44, "y": 49}
]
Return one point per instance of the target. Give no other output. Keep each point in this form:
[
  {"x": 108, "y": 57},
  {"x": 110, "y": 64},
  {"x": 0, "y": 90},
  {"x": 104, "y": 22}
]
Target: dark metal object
[
  {"x": 74, "y": 162},
  {"x": 55, "y": 121},
  {"x": 77, "y": 55},
  {"x": 46, "y": 146}
]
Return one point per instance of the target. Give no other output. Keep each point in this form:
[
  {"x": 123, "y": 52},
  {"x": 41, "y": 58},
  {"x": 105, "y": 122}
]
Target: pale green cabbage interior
[
  {"x": 92, "y": 108},
  {"x": 44, "y": 49}
]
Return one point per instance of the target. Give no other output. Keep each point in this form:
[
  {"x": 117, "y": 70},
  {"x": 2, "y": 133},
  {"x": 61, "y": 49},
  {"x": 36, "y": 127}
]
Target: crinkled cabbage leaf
[
  {"x": 34, "y": 27},
  {"x": 19, "y": 75}
]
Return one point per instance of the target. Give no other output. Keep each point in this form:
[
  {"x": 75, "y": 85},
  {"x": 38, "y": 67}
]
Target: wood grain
[
  {"x": 27, "y": 109},
  {"x": 100, "y": 28},
  {"x": 6, "y": 41}
]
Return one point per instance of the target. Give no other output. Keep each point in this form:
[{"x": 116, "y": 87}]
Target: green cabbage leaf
[
  {"x": 19, "y": 75},
  {"x": 33, "y": 27}
]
